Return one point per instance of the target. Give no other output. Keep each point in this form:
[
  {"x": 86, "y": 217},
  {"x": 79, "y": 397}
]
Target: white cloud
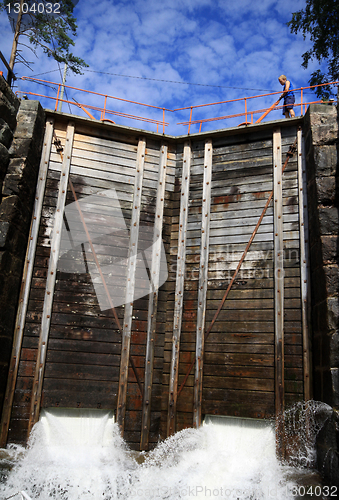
[{"x": 219, "y": 45}]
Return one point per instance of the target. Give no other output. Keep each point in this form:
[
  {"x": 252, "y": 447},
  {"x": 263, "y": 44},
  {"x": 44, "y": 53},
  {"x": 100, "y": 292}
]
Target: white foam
[{"x": 81, "y": 456}]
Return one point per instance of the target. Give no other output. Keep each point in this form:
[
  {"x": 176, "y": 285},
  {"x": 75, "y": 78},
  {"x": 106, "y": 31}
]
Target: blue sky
[{"x": 228, "y": 48}]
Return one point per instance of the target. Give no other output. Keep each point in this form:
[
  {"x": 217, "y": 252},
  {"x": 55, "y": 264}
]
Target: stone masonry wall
[
  {"x": 9, "y": 105},
  {"x": 321, "y": 134},
  {"x": 21, "y": 134}
]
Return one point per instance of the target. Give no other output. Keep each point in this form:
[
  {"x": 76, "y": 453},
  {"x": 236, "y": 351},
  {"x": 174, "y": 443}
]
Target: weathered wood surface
[
  {"x": 203, "y": 282},
  {"x": 279, "y": 361},
  {"x": 50, "y": 281},
  {"x": 231, "y": 190},
  {"x": 26, "y": 283},
  {"x": 153, "y": 299},
  {"x": 179, "y": 289},
  {"x": 304, "y": 266},
  {"x": 130, "y": 284},
  {"x": 247, "y": 318},
  {"x": 238, "y": 359}
]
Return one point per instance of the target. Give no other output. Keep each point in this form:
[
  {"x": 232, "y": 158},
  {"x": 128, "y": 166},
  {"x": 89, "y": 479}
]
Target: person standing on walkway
[{"x": 288, "y": 96}]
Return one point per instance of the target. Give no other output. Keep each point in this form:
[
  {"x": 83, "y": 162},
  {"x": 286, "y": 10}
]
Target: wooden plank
[
  {"x": 256, "y": 204},
  {"x": 304, "y": 266},
  {"x": 50, "y": 283},
  {"x": 130, "y": 285},
  {"x": 231, "y": 147},
  {"x": 242, "y": 220},
  {"x": 239, "y": 383},
  {"x": 253, "y": 283},
  {"x": 114, "y": 156},
  {"x": 240, "y": 304},
  {"x": 26, "y": 282},
  {"x": 103, "y": 174},
  {"x": 179, "y": 289},
  {"x": 238, "y": 372},
  {"x": 117, "y": 165},
  {"x": 278, "y": 282},
  {"x": 252, "y": 404},
  {"x": 91, "y": 185},
  {"x": 153, "y": 300},
  {"x": 224, "y": 230},
  {"x": 203, "y": 277},
  {"x": 235, "y": 239},
  {"x": 119, "y": 144}
]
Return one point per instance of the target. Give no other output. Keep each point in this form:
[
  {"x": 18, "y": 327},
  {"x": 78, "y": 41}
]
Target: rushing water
[{"x": 81, "y": 456}]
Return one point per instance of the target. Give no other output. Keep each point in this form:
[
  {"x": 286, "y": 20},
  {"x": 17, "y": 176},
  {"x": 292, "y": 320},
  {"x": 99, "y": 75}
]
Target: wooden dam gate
[{"x": 129, "y": 298}]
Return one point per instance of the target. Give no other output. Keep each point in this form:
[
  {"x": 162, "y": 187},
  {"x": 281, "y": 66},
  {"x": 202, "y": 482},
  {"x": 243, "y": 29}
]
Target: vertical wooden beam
[
  {"x": 179, "y": 290},
  {"x": 153, "y": 299},
  {"x": 50, "y": 282},
  {"x": 304, "y": 277},
  {"x": 278, "y": 282},
  {"x": 203, "y": 279},
  {"x": 130, "y": 284},
  {"x": 26, "y": 282}
]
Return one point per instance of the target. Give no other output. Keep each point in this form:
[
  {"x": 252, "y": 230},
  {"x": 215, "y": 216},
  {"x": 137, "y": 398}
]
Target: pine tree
[
  {"x": 320, "y": 20},
  {"x": 47, "y": 24}
]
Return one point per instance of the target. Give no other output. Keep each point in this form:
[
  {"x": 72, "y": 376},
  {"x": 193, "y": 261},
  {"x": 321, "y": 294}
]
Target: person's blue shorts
[{"x": 289, "y": 101}]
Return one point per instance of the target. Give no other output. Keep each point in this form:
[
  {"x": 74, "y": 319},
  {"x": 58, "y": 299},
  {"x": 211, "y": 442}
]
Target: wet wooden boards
[{"x": 101, "y": 326}]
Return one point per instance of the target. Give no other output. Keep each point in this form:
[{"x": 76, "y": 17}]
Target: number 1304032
[
  {"x": 314, "y": 491},
  {"x": 33, "y": 8}
]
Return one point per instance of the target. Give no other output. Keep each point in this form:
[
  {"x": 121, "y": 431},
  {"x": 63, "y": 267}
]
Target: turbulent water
[{"x": 86, "y": 459}]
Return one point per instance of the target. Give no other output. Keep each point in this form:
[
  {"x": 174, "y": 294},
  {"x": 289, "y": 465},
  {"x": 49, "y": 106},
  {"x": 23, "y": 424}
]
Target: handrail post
[
  {"x": 104, "y": 110},
  {"x": 301, "y": 101},
  {"x": 163, "y": 120},
  {"x": 245, "y": 109},
  {"x": 57, "y": 97},
  {"x": 189, "y": 124}
]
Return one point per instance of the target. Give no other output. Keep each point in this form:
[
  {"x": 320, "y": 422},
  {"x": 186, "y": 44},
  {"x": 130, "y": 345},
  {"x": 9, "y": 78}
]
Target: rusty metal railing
[
  {"x": 105, "y": 110},
  {"x": 249, "y": 114}
]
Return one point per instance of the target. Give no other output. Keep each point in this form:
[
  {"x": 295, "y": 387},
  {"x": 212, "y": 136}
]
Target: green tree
[
  {"x": 320, "y": 21},
  {"x": 46, "y": 24}
]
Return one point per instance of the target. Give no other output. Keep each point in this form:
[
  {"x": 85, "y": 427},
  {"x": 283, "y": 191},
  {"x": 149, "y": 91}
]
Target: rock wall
[
  {"x": 321, "y": 134},
  {"x": 21, "y": 134}
]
